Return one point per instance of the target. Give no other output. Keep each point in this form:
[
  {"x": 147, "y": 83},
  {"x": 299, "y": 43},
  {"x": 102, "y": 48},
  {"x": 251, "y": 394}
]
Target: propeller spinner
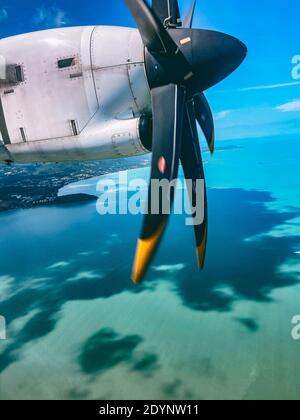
[{"x": 181, "y": 63}]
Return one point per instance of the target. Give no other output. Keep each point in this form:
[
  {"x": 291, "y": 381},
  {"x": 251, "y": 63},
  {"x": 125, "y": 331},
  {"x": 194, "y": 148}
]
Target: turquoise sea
[{"x": 77, "y": 328}]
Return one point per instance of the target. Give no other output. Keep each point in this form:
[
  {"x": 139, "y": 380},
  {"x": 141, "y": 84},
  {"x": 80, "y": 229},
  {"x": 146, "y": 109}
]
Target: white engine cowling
[
  {"x": 73, "y": 94},
  {"x": 115, "y": 139}
]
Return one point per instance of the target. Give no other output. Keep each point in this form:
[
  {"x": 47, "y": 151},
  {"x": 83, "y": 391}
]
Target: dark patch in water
[
  {"x": 147, "y": 364},
  {"x": 171, "y": 389},
  {"x": 175, "y": 390},
  {"x": 78, "y": 394},
  {"x": 106, "y": 350},
  {"x": 247, "y": 268},
  {"x": 251, "y": 324}
]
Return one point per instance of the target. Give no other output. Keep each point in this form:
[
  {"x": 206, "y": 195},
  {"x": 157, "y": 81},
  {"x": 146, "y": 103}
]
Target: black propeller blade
[
  {"x": 166, "y": 149},
  {"x": 152, "y": 30},
  {"x": 192, "y": 165},
  {"x": 180, "y": 64},
  {"x": 188, "y": 20},
  {"x": 168, "y": 12},
  {"x": 164, "y": 52},
  {"x": 205, "y": 119}
]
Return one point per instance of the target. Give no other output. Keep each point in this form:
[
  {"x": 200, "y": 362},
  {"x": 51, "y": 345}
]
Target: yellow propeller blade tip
[
  {"x": 200, "y": 258},
  {"x": 140, "y": 262},
  {"x": 144, "y": 253},
  {"x": 136, "y": 278},
  {"x": 201, "y": 251}
]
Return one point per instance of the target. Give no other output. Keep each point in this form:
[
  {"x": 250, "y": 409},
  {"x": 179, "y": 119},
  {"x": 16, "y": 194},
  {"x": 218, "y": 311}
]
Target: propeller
[
  {"x": 193, "y": 169},
  {"x": 205, "y": 119},
  {"x": 168, "y": 12},
  {"x": 181, "y": 63},
  {"x": 165, "y": 162},
  {"x": 188, "y": 20}
]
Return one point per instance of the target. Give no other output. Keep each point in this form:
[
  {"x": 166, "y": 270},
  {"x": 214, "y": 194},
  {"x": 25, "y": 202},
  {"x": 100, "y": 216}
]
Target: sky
[{"x": 260, "y": 99}]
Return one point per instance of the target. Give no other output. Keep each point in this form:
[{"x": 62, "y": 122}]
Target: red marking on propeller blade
[{"x": 162, "y": 165}]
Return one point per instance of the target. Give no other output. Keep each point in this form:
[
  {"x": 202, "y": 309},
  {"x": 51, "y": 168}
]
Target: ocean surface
[{"x": 77, "y": 328}]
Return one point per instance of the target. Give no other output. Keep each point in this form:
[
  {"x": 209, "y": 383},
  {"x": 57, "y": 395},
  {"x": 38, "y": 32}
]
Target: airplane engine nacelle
[
  {"x": 73, "y": 94},
  {"x": 111, "y": 140}
]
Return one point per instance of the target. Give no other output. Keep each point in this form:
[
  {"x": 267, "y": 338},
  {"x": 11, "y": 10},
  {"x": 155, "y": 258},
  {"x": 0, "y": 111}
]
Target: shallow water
[{"x": 78, "y": 328}]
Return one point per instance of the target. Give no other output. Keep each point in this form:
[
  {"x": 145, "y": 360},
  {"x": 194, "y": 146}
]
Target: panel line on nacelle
[{"x": 3, "y": 126}]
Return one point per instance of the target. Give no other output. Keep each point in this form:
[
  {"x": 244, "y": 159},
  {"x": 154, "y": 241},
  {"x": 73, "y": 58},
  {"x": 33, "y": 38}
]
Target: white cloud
[
  {"x": 60, "y": 18},
  {"x": 223, "y": 114},
  {"x": 50, "y": 17},
  {"x": 61, "y": 264},
  {"x": 292, "y": 268},
  {"x": 6, "y": 286},
  {"x": 293, "y": 106},
  {"x": 3, "y": 13},
  {"x": 85, "y": 275},
  {"x": 264, "y": 87},
  {"x": 169, "y": 268}
]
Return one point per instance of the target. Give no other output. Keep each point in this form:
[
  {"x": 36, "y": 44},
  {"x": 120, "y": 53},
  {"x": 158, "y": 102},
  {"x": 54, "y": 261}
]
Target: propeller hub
[
  {"x": 204, "y": 58},
  {"x": 214, "y": 57}
]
